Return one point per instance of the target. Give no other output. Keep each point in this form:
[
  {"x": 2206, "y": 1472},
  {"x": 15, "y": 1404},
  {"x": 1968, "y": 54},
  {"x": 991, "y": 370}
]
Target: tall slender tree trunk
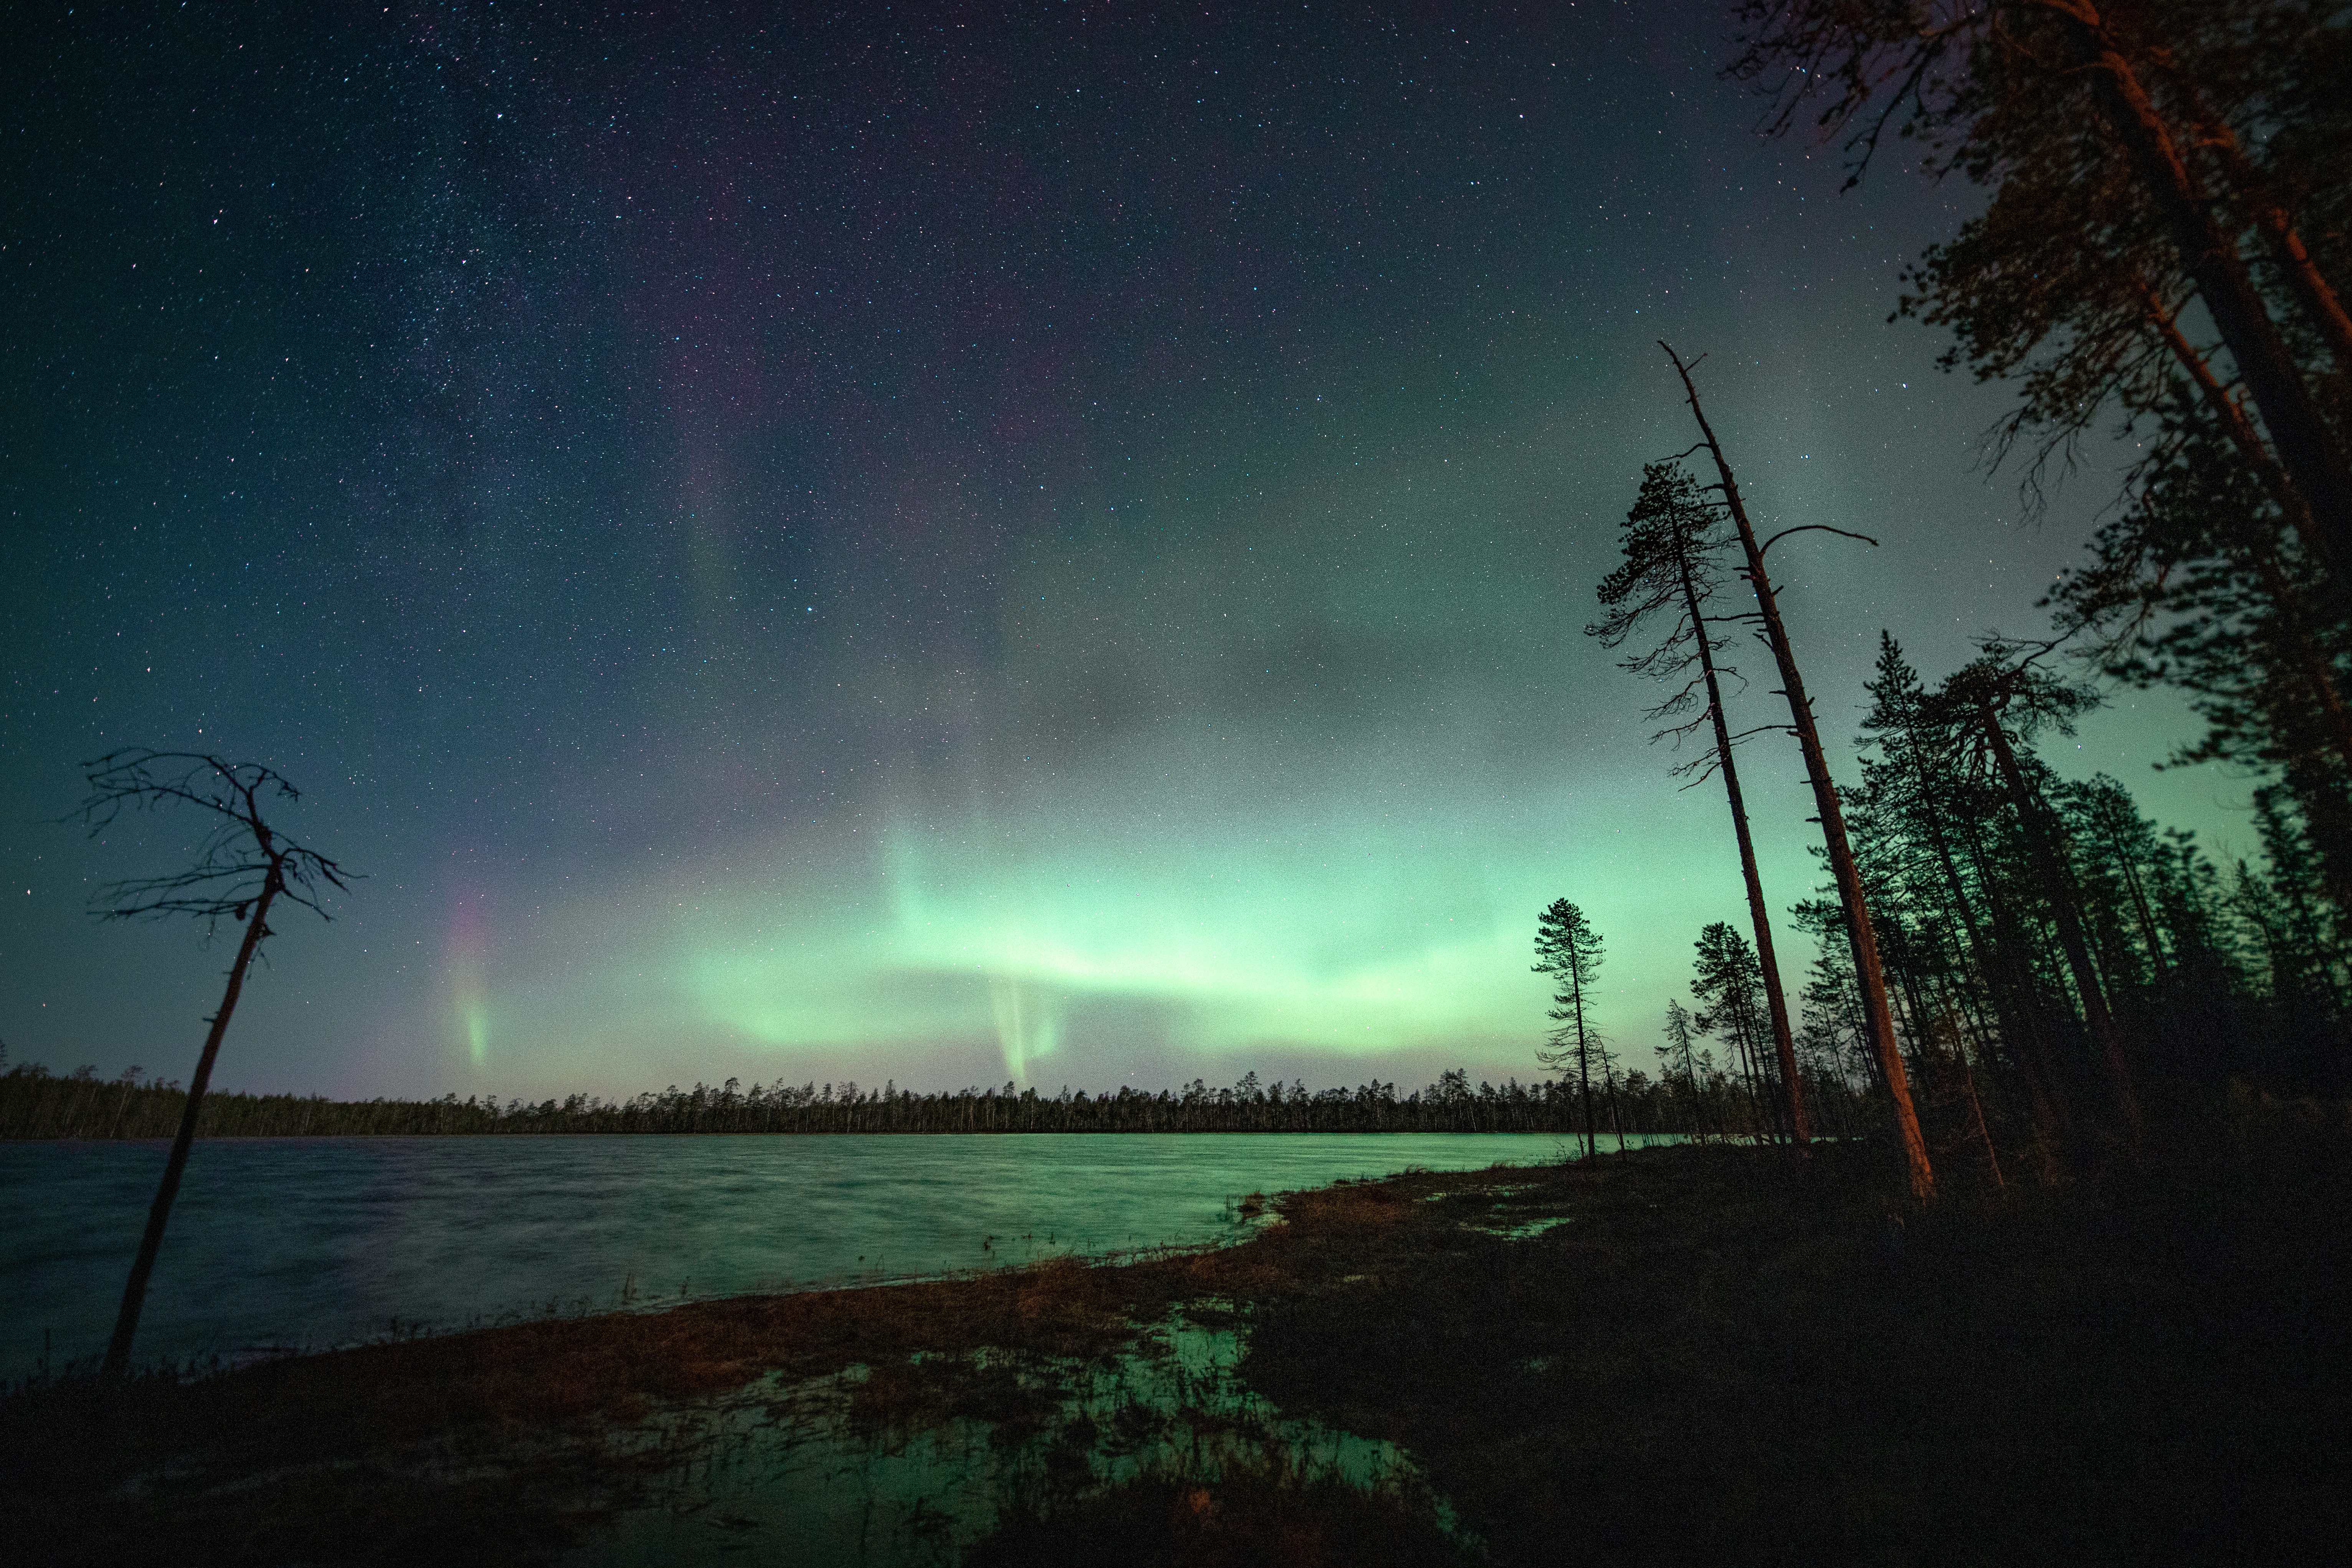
[
  {"x": 2058, "y": 877},
  {"x": 135, "y": 1291},
  {"x": 1616, "y": 1108},
  {"x": 1859, "y": 931},
  {"x": 1760, "y": 1117},
  {"x": 2307, "y": 447},
  {"x": 1984, "y": 1132},
  {"x": 2263, "y": 553},
  {"x": 2048, "y": 1110},
  {"x": 2015, "y": 973},
  {"x": 1583, "y": 1061},
  {"x": 1758, "y": 915}
]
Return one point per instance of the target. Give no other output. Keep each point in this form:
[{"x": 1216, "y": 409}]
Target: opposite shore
[{"x": 38, "y": 1105}]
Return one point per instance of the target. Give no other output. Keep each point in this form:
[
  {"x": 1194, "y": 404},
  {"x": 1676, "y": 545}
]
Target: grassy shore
[{"x": 1687, "y": 1356}]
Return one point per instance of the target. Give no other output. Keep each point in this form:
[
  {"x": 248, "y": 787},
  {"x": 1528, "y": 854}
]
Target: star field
[{"x": 1038, "y": 541}]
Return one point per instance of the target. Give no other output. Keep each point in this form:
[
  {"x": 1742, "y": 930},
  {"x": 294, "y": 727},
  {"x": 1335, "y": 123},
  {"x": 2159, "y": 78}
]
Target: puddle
[
  {"x": 1501, "y": 1226},
  {"x": 912, "y": 1463}
]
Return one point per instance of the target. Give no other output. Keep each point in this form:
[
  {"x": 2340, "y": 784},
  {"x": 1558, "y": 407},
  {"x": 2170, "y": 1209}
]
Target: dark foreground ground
[{"x": 1710, "y": 1356}]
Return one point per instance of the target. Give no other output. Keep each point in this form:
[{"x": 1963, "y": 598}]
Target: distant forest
[
  {"x": 2016, "y": 970},
  {"x": 2026, "y": 924},
  {"x": 2019, "y": 969},
  {"x": 37, "y": 1103}
]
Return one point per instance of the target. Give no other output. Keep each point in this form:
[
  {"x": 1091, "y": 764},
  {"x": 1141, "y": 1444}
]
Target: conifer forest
[
  {"x": 1751, "y": 600},
  {"x": 2016, "y": 967}
]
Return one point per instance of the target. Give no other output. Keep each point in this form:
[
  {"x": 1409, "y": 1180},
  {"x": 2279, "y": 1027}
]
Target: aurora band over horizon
[{"x": 816, "y": 548}]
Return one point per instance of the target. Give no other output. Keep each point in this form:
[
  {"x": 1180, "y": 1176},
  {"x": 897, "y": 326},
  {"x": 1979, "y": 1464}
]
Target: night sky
[{"x": 1039, "y": 541}]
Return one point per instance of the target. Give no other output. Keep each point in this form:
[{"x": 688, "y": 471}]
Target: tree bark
[
  {"x": 2308, "y": 450},
  {"x": 1871, "y": 979},
  {"x": 1775, "y": 1004},
  {"x": 1583, "y": 1061},
  {"x": 2058, "y": 877},
  {"x": 135, "y": 1291},
  {"x": 2310, "y": 663}
]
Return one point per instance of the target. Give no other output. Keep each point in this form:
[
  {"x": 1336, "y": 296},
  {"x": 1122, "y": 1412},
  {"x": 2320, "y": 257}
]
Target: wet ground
[{"x": 1685, "y": 1355}]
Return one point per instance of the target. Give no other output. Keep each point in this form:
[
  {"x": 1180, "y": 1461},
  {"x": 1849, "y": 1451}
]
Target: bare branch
[
  {"x": 1812, "y": 528},
  {"x": 239, "y": 860}
]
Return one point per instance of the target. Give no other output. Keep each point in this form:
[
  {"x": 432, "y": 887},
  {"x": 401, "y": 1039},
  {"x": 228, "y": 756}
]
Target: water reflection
[
  {"x": 918, "y": 1465},
  {"x": 307, "y": 1242}
]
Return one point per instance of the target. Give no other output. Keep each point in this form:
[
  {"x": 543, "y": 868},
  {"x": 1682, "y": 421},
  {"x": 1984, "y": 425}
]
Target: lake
[{"x": 310, "y": 1243}]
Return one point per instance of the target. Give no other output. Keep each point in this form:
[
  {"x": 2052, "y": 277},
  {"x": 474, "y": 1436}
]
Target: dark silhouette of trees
[
  {"x": 1859, "y": 932},
  {"x": 34, "y": 1103},
  {"x": 242, "y": 870},
  {"x": 1684, "y": 1067},
  {"x": 1729, "y": 984},
  {"x": 1988, "y": 707},
  {"x": 1672, "y": 541},
  {"x": 2053, "y": 957},
  {"x": 2177, "y": 147},
  {"x": 2200, "y": 584},
  {"x": 1569, "y": 950},
  {"x": 2166, "y": 244},
  {"x": 1924, "y": 829}
]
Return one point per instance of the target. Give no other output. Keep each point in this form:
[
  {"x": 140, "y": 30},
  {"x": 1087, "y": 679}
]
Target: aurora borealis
[{"x": 1020, "y": 541}]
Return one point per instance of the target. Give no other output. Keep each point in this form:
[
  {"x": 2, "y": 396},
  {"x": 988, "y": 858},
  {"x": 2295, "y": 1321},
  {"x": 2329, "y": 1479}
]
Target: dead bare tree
[
  {"x": 243, "y": 868},
  {"x": 1869, "y": 975},
  {"x": 1668, "y": 573}
]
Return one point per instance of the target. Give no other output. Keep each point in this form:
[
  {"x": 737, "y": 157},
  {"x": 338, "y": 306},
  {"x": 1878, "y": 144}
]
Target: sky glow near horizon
[{"x": 1041, "y": 556}]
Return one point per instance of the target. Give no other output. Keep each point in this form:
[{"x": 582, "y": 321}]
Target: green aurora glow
[{"x": 1086, "y": 589}]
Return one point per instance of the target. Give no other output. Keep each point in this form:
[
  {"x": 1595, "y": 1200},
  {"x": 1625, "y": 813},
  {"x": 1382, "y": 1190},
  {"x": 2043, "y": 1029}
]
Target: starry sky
[{"x": 1033, "y": 542}]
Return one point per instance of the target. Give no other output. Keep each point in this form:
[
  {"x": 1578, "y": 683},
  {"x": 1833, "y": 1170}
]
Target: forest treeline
[
  {"x": 2017, "y": 967},
  {"x": 2013, "y": 965},
  {"x": 2048, "y": 950},
  {"x": 38, "y": 1104}
]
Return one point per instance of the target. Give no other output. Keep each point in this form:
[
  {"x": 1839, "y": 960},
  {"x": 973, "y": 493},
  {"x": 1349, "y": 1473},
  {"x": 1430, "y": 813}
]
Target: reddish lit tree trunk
[
  {"x": 2307, "y": 448},
  {"x": 1871, "y": 978}
]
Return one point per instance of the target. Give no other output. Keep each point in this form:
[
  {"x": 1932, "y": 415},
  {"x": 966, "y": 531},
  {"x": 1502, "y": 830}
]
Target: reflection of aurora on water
[
  {"x": 366, "y": 1234},
  {"x": 815, "y": 1478}
]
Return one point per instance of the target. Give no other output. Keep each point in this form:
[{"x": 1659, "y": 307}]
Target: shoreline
[
  {"x": 1608, "y": 1140},
  {"x": 1674, "y": 1356},
  {"x": 435, "y": 1235}
]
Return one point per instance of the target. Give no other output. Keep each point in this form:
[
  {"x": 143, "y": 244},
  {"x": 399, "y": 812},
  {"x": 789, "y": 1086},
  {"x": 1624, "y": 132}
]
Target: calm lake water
[{"x": 316, "y": 1242}]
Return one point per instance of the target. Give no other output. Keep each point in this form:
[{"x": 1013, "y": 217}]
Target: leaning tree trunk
[
  {"x": 135, "y": 1291},
  {"x": 1871, "y": 979},
  {"x": 2260, "y": 551},
  {"x": 1583, "y": 1062},
  {"x": 2307, "y": 447},
  {"x": 1775, "y": 1004},
  {"x": 2011, "y": 1006},
  {"x": 2058, "y": 876}
]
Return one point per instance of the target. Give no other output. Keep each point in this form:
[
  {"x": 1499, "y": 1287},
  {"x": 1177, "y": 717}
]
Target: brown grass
[
  {"x": 499, "y": 1444},
  {"x": 1718, "y": 1355}
]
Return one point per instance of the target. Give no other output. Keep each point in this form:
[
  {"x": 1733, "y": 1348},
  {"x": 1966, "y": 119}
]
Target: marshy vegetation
[
  {"x": 2142, "y": 1349},
  {"x": 1700, "y": 1354}
]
